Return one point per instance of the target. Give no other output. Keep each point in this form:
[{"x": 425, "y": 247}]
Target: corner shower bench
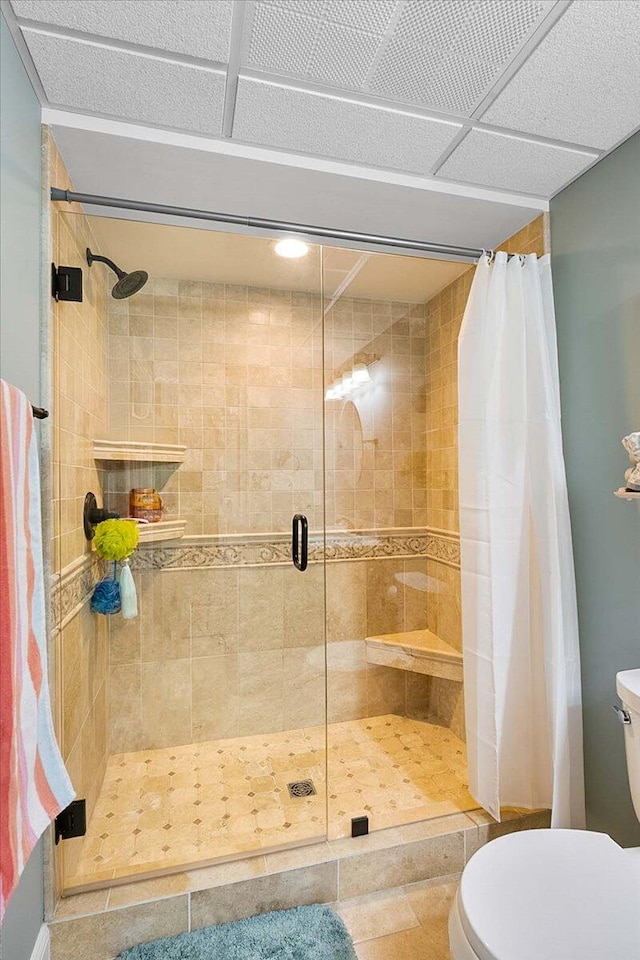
[{"x": 417, "y": 650}]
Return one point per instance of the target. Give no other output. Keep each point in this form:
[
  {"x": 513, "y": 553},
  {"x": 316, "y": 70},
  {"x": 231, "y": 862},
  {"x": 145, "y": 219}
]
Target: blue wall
[
  {"x": 595, "y": 243},
  {"x": 20, "y": 354}
]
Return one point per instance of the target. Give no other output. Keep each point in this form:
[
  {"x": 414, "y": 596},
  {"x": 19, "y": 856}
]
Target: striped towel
[{"x": 34, "y": 785}]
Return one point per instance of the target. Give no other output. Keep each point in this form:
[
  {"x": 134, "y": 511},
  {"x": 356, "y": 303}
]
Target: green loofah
[{"x": 116, "y": 539}]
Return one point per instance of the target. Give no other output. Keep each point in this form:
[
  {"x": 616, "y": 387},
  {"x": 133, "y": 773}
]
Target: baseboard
[{"x": 41, "y": 946}]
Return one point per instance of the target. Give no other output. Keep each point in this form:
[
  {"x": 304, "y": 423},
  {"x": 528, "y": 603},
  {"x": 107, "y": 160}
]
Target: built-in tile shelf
[
  {"x": 163, "y": 530},
  {"x": 626, "y": 494},
  {"x": 419, "y": 651},
  {"x": 135, "y": 451}
]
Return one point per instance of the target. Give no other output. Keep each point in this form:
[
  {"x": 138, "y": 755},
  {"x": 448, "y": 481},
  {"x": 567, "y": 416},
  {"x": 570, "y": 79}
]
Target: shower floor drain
[{"x": 301, "y": 788}]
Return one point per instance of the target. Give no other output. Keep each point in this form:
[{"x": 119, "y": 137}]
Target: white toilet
[{"x": 555, "y": 894}]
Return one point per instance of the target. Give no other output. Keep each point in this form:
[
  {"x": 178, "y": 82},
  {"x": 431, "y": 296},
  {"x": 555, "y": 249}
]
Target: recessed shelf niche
[{"x": 135, "y": 463}]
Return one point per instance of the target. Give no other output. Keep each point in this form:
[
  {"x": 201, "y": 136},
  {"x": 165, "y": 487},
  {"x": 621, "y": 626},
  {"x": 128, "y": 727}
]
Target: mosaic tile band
[
  {"x": 258, "y": 550},
  {"x": 73, "y": 586}
]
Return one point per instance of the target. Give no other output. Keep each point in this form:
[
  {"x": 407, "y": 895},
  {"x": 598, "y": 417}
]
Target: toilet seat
[{"x": 548, "y": 895}]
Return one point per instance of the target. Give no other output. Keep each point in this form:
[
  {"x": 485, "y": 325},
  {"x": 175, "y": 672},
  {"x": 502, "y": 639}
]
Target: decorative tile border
[
  {"x": 259, "y": 550},
  {"x": 73, "y": 586}
]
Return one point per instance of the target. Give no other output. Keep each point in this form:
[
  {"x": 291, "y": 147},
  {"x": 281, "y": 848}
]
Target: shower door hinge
[
  {"x": 66, "y": 283},
  {"x": 72, "y": 821}
]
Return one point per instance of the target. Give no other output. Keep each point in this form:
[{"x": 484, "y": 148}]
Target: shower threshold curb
[{"x": 101, "y": 923}]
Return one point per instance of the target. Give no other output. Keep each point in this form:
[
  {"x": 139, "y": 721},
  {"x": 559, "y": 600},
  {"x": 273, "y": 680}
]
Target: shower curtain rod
[{"x": 460, "y": 253}]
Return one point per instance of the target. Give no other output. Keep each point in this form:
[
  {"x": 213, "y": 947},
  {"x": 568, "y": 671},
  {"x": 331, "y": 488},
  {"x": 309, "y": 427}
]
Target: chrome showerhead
[{"x": 128, "y": 283}]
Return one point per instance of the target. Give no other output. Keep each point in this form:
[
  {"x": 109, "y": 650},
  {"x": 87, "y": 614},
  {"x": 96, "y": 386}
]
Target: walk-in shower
[{"x": 257, "y": 702}]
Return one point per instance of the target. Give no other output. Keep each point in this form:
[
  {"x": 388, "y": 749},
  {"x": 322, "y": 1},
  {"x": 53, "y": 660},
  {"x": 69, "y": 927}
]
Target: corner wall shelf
[
  {"x": 626, "y": 494},
  {"x": 134, "y": 451},
  {"x": 419, "y": 651},
  {"x": 163, "y": 530}
]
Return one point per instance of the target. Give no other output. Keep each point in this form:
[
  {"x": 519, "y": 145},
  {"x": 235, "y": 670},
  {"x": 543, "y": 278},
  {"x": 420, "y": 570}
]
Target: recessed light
[{"x": 292, "y": 248}]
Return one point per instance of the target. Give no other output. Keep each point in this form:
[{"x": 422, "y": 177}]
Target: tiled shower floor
[{"x": 220, "y": 799}]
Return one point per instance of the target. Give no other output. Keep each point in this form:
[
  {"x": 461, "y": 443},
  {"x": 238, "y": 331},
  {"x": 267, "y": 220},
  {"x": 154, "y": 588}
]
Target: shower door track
[{"x": 279, "y": 226}]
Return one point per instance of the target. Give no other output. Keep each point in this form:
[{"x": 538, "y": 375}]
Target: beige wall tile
[
  {"x": 166, "y": 699},
  {"x": 104, "y": 935},
  {"x": 346, "y": 681},
  {"x": 215, "y": 697},
  {"x": 346, "y": 601},
  {"x": 168, "y": 636},
  {"x": 385, "y": 690},
  {"x": 304, "y": 687},
  {"x": 313, "y": 884},
  {"x": 261, "y": 609},
  {"x": 261, "y": 691},
  {"x": 303, "y": 596},
  {"x": 215, "y": 614},
  {"x": 126, "y": 730},
  {"x": 433, "y": 857}
]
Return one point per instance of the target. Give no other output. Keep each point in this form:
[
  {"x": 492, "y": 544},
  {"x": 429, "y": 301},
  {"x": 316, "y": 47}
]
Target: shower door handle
[{"x": 300, "y": 541}]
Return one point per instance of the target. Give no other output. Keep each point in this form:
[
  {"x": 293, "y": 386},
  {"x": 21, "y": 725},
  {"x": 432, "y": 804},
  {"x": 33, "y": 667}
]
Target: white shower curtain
[{"x": 520, "y": 625}]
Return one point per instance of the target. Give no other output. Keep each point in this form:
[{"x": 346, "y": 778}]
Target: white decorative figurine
[{"x": 632, "y": 475}]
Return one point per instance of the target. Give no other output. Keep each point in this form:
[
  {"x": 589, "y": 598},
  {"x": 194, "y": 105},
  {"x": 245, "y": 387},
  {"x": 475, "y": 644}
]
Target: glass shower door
[
  {"x": 214, "y": 721},
  {"x": 395, "y": 731},
  {"x": 232, "y": 664}
]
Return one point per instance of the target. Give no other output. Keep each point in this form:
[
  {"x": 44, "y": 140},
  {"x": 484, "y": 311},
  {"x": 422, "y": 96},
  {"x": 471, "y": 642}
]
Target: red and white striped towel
[{"x": 34, "y": 784}]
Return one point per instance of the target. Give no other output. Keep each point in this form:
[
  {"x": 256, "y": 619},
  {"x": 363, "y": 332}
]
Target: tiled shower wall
[
  {"x": 237, "y": 651},
  {"x": 235, "y": 374},
  {"x": 79, "y": 413},
  {"x": 376, "y": 442}
]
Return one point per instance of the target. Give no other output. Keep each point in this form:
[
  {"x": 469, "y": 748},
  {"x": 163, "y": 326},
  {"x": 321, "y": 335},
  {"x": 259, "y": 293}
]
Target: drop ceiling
[{"x": 519, "y": 96}]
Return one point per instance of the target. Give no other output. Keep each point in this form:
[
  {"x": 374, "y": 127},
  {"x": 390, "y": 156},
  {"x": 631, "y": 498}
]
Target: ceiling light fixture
[
  {"x": 292, "y": 248},
  {"x": 360, "y": 375}
]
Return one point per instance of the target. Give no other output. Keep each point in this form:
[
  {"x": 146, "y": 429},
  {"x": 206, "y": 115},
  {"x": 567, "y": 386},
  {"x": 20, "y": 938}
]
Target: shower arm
[{"x": 93, "y": 257}]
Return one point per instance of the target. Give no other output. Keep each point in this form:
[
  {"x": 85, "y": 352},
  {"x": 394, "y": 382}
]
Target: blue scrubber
[{"x": 106, "y": 595}]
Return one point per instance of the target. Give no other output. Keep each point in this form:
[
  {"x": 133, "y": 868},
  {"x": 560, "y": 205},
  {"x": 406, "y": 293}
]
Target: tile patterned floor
[
  {"x": 408, "y": 923},
  {"x": 203, "y": 802}
]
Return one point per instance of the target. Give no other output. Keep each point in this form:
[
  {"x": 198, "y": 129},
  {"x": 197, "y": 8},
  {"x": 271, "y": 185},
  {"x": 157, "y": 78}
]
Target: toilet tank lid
[
  {"x": 552, "y": 894},
  {"x": 628, "y": 687}
]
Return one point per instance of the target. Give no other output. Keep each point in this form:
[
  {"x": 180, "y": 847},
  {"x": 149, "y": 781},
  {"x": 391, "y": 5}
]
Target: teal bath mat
[{"x": 304, "y": 933}]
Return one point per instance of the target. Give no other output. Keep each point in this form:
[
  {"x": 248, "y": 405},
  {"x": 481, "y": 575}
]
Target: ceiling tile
[
  {"x": 510, "y": 163},
  {"x": 446, "y": 55},
  {"x": 341, "y": 56},
  {"x": 374, "y": 15},
  {"x": 440, "y": 54},
  {"x": 582, "y": 84},
  {"x": 101, "y": 79},
  {"x": 331, "y": 42},
  {"x": 431, "y": 78},
  {"x": 199, "y": 28},
  {"x": 281, "y": 40},
  {"x": 276, "y": 115}
]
